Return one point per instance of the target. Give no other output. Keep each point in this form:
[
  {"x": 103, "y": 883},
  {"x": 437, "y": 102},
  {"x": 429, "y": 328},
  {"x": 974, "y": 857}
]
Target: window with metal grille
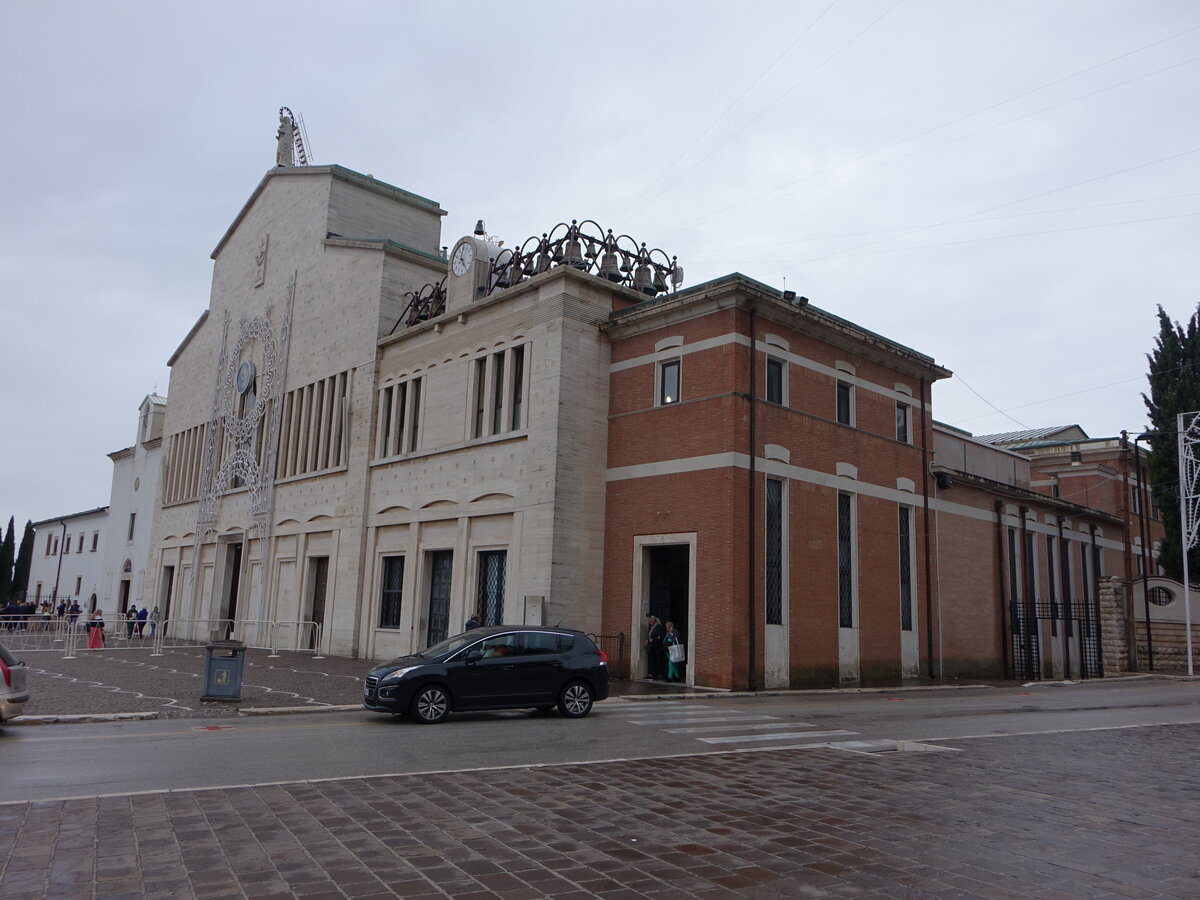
[
  {"x": 392, "y": 592},
  {"x": 490, "y": 596},
  {"x": 774, "y": 552},
  {"x": 1052, "y": 585},
  {"x": 845, "y": 526},
  {"x": 1160, "y": 596},
  {"x": 1013, "y": 584},
  {"x": 845, "y": 403},
  {"x": 774, "y": 380},
  {"x": 906, "y": 585}
]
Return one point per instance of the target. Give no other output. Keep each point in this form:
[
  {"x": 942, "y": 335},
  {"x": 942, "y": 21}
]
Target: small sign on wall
[{"x": 534, "y": 608}]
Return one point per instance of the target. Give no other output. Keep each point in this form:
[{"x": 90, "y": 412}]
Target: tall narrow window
[
  {"x": 49, "y": 543},
  {"x": 79, "y": 549},
  {"x": 845, "y": 530},
  {"x": 414, "y": 413},
  {"x": 774, "y": 552},
  {"x": 385, "y": 422},
  {"x": 845, "y": 403},
  {"x": 902, "y": 429},
  {"x": 391, "y": 592},
  {"x": 774, "y": 380},
  {"x": 518, "y": 386},
  {"x": 490, "y": 593},
  {"x": 1052, "y": 585},
  {"x": 78, "y": 585},
  {"x": 95, "y": 540},
  {"x": 668, "y": 383},
  {"x": 480, "y": 398},
  {"x": 132, "y": 521},
  {"x": 66, "y": 545},
  {"x": 497, "y": 392},
  {"x": 1136, "y": 493},
  {"x": 906, "y": 580}
]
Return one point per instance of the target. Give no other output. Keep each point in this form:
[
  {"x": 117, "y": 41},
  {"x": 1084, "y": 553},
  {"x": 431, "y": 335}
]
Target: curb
[
  {"x": 279, "y": 710},
  {"x": 78, "y": 718}
]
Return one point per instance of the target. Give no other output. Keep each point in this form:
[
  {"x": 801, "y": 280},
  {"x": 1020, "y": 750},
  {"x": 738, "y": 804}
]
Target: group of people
[
  {"x": 137, "y": 619},
  {"x": 666, "y": 654},
  {"x": 26, "y": 615}
]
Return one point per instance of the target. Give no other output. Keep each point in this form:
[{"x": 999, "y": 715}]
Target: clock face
[
  {"x": 245, "y": 376},
  {"x": 464, "y": 255}
]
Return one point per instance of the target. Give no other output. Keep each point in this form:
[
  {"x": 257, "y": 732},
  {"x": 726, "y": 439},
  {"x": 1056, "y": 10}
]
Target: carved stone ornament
[{"x": 260, "y": 262}]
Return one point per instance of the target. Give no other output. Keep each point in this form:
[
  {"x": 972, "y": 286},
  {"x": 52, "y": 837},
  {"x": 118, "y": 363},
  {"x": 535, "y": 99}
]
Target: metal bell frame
[{"x": 588, "y": 247}]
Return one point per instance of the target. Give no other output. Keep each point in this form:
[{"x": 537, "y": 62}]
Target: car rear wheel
[
  {"x": 431, "y": 705},
  {"x": 575, "y": 701}
]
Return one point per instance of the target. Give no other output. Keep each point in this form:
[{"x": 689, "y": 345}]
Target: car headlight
[{"x": 397, "y": 675}]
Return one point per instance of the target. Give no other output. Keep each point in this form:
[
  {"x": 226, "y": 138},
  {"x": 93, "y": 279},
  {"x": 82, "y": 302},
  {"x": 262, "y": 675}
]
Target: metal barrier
[
  {"x": 614, "y": 646},
  {"x": 32, "y": 634},
  {"x": 261, "y": 634}
]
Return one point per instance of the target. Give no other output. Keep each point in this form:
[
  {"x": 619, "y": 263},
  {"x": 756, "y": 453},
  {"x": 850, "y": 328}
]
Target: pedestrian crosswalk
[{"x": 711, "y": 724}]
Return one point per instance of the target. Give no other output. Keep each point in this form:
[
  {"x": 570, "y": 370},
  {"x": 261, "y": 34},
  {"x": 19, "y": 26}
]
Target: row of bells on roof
[{"x": 615, "y": 266}]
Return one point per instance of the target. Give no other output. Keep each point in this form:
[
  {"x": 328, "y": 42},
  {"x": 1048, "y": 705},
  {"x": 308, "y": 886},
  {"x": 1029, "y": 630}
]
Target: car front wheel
[
  {"x": 575, "y": 700},
  {"x": 431, "y": 705}
]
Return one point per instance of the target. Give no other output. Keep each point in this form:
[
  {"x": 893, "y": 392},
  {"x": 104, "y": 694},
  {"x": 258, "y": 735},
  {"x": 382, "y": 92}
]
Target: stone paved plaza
[{"x": 1112, "y": 813}]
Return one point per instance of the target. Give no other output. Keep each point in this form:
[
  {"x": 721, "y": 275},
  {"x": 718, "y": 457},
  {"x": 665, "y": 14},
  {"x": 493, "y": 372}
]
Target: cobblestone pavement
[
  {"x": 1087, "y": 814},
  {"x": 133, "y": 681}
]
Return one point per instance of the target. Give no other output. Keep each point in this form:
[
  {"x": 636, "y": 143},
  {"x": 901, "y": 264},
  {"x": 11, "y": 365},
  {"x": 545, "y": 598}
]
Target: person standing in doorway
[
  {"x": 655, "y": 655},
  {"x": 675, "y": 658}
]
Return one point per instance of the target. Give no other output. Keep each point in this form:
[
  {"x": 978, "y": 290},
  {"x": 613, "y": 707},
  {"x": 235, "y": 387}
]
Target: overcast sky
[{"x": 1008, "y": 187}]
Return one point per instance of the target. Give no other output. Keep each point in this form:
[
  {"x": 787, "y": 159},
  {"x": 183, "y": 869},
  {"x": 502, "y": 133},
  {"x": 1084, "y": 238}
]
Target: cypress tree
[
  {"x": 1174, "y": 378},
  {"x": 6, "y": 562},
  {"x": 20, "y": 582}
]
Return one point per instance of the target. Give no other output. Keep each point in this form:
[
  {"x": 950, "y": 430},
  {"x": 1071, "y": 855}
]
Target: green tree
[
  {"x": 1174, "y": 378},
  {"x": 20, "y": 581},
  {"x": 6, "y": 562}
]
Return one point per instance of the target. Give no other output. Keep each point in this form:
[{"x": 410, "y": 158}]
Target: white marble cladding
[
  {"x": 537, "y": 492},
  {"x": 337, "y": 315}
]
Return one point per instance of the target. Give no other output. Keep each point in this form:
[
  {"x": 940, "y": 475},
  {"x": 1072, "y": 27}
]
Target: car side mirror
[{"x": 474, "y": 655}]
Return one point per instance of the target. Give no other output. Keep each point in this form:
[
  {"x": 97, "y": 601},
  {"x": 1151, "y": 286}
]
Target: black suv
[{"x": 496, "y": 667}]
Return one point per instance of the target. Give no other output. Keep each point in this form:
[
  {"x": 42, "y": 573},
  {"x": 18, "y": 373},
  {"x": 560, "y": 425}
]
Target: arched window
[{"x": 127, "y": 568}]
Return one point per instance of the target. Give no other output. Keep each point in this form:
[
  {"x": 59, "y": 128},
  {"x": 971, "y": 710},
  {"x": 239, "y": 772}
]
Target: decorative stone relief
[{"x": 260, "y": 262}]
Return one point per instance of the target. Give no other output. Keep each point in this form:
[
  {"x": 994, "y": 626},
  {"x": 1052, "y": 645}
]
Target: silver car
[{"x": 14, "y": 690}]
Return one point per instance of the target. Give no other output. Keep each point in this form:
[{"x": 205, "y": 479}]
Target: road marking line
[
  {"x": 682, "y": 720},
  {"x": 729, "y": 739},
  {"x": 708, "y": 728}
]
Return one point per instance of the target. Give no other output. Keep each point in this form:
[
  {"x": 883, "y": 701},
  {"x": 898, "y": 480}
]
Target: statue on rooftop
[{"x": 286, "y": 140}]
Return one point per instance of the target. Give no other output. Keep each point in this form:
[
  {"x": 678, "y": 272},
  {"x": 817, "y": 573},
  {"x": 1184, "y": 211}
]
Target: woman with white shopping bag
[{"x": 676, "y": 653}]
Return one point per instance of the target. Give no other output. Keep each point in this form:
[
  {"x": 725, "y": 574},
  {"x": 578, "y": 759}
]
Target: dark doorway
[
  {"x": 123, "y": 597},
  {"x": 168, "y": 585},
  {"x": 668, "y": 597},
  {"x": 440, "y": 566},
  {"x": 318, "y": 573},
  {"x": 233, "y": 576}
]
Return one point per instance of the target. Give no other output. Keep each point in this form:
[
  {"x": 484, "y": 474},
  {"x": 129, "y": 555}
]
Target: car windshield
[{"x": 449, "y": 645}]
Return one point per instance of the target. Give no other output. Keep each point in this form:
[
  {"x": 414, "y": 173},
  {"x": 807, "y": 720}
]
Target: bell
[
  {"x": 660, "y": 282},
  {"x": 573, "y": 254},
  {"x": 642, "y": 280},
  {"x": 610, "y": 268}
]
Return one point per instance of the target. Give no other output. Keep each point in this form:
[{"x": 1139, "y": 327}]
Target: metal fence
[
  {"x": 614, "y": 646},
  {"x": 32, "y": 634}
]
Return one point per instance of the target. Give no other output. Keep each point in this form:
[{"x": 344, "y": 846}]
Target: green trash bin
[{"x": 223, "y": 661}]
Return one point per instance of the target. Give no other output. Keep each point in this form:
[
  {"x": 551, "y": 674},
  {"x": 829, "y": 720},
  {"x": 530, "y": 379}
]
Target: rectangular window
[
  {"x": 774, "y": 380},
  {"x": 391, "y": 592},
  {"x": 132, "y": 520},
  {"x": 385, "y": 422},
  {"x": 95, "y": 540},
  {"x": 414, "y": 413},
  {"x": 668, "y": 382},
  {"x": 1136, "y": 492},
  {"x": 55, "y": 553},
  {"x": 49, "y": 543},
  {"x": 480, "y": 398},
  {"x": 845, "y": 530},
  {"x": 78, "y": 585},
  {"x": 774, "y": 552},
  {"x": 906, "y": 580},
  {"x": 902, "y": 429},
  {"x": 845, "y": 403},
  {"x": 518, "y": 386},
  {"x": 497, "y": 392},
  {"x": 38, "y": 595},
  {"x": 1054, "y": 489},
  {"x": 1052, "y": 585},
  {"x": 66, "y": 544},
  {"x": 1064, "y": 558},
  {"x": 489, "y": 598},
  {"x": 79, "y": 549},
  {"x": 1014, "y": 583}
]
